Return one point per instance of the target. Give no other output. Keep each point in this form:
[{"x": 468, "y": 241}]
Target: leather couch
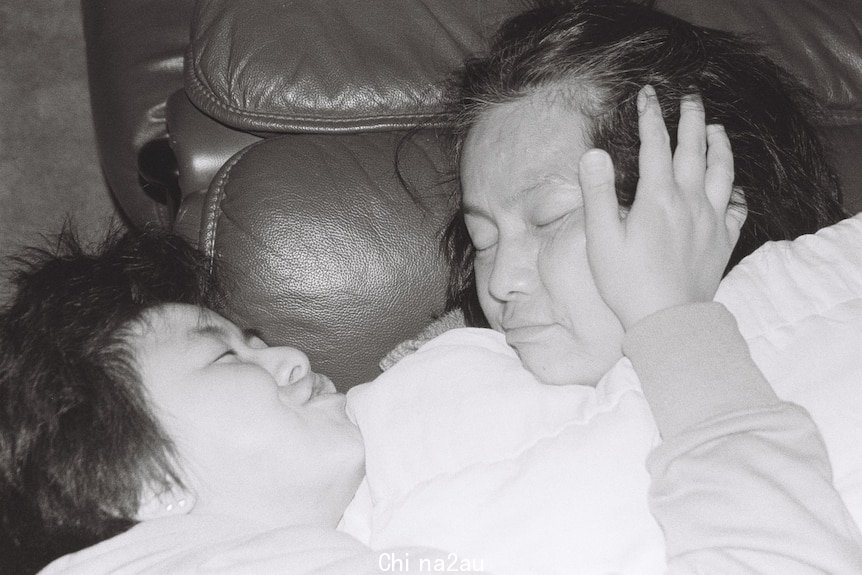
[{"x": 267, "y": 132}]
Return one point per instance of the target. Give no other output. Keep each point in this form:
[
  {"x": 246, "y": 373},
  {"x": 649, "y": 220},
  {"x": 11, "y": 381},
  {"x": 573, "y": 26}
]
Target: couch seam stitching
[
  {"x": 198, "y": 88},
  {"x": 217, "y": 193}
]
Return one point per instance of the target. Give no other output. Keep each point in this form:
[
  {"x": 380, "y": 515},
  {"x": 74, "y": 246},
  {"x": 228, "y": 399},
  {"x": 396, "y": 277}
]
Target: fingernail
[
  {"x": 594, "y": 163},
  {"x": 644, "y": 95},
  {"x": 691, "y": 97}
]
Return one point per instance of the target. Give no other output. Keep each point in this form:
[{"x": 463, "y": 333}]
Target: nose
[
  {"x": 287, "y": 365},
  {"x": 513, "y": 269}
]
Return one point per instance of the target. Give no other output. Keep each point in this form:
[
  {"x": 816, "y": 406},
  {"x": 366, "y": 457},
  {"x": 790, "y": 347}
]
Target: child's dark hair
[
  {"x": 598, "y": 54},
  {"x": 77, "y": 438}
]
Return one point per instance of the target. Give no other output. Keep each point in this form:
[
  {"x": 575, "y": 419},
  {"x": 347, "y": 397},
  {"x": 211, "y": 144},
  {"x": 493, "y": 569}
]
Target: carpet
[{"x": 49, "y": 166}]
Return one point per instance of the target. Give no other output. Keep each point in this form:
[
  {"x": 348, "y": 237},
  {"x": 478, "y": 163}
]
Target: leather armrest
[
  {"x": 201, "y": 145},
  {"x": 134, "y": 62}
]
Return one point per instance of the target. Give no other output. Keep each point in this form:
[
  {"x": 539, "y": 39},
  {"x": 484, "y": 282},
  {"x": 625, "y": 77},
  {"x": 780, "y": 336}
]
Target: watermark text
[{"x": 402, "y": 562}]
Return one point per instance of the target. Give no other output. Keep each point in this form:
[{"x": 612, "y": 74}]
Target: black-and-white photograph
[{"x": 517, "y": 287}]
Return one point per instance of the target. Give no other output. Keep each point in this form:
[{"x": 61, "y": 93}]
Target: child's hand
[{"x": 674, "y": 243}]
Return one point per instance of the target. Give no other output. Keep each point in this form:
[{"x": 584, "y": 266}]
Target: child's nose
[{"x": 287, "y": 365}]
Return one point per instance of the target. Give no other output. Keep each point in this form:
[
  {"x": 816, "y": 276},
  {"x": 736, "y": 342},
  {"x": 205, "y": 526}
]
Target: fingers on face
[
  {"x": 596, "y": 178},
  {"x": 655, "y": 156}
]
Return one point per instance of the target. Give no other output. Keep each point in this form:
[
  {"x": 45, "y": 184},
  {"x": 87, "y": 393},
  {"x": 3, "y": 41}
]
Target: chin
[
  {"x": 349, "y": 477},
  {"x": 549, "y": 370},
  {"x": 353, "y": 458}
]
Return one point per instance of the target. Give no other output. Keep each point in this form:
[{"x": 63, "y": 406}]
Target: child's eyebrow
[
  {"x": 250, "y": 333},
  {"x": 220, "y": 332},
  {"x": 209, "y": 330}
]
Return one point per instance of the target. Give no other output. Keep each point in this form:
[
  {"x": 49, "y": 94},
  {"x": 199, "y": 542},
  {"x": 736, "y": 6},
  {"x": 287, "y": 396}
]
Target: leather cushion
[
  {"x": 323, "y": 250},
  {"x": 343, "y": 64},
  {"x": 817, "y": 40},
  {"x": 820, "y": 42},
  {"x": 334, "y": 65}
]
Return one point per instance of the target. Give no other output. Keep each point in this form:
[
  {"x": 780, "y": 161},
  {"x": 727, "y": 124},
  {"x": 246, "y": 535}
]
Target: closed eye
[
  {"x": 253, "y": 338},
  {"x": 483, "y": 248},
  {"x": 482, "y": 235},
  {"x": 227, "y": 355},
  {"x": 550, "y": 222},
  {"x": 555, "y": 218}
]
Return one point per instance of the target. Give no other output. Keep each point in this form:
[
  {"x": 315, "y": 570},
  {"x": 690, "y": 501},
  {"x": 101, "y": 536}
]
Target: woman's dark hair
[
  {"x": 77, "y": 438},
  {"x": 598, "y": 54}
]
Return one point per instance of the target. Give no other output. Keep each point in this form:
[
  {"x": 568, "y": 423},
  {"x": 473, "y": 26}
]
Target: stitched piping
[
  {"x": 212, "y": 203},
  {"x": 199, "y": 89}
]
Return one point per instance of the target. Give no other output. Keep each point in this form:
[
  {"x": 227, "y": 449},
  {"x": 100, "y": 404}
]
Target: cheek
[
  {"x": 220, "y": 404},
  {"x": 491, "y": 307},
  {"x": 563, "y": 266},
  {"x": 482, "y": 267}
]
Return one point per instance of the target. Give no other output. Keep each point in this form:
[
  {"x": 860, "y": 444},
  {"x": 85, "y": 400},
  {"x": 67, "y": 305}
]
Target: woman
[{"x": 562, "y": 78}]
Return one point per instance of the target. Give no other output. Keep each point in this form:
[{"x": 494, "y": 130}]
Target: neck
[{"x": 277, "y": 505}]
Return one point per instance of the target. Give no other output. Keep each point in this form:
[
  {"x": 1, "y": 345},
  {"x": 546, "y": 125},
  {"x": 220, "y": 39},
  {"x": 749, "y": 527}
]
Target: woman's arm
[{"x": 742, "y": 482}]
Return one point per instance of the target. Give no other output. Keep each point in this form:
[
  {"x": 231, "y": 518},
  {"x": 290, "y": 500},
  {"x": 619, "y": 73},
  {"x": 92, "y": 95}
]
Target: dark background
[{"x": 49, "y": 166}]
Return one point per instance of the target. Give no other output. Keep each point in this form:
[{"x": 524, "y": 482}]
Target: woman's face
[
  {"x": 247, "y": 418},
  {"x": 524, "y": 211}
]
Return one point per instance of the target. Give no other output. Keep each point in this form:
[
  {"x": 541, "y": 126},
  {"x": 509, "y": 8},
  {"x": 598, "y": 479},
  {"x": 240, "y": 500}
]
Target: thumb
[{"x": 601, "y": 210}]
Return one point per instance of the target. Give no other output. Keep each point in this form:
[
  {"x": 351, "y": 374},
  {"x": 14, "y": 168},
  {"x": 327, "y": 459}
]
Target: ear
[{"x": 156, "y": 502}]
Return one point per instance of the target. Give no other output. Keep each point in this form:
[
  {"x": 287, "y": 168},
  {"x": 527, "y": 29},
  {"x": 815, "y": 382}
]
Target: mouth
[
  {"x": 310, "y": 388},
  {"x": 326, "y": 398},
  {"x": 322, "y": 388},
  {"x": 321, "y": 385},
  {"x": 527, "y": 333}
]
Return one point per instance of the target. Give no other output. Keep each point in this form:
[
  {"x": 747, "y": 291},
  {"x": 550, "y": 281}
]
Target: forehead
[
  {"x": 171, "y": 325},
  {"x": 519, "y": 144}
]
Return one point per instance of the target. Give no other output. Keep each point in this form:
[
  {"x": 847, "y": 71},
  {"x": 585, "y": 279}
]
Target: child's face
[{"x": 243, "y": 412}]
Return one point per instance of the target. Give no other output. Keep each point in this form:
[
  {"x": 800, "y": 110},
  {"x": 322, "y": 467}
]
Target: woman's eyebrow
[
  {"x": 471, "y": 210},
  {"x": 516, "y": 197},
  {"x": 511, "y": 199}
]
